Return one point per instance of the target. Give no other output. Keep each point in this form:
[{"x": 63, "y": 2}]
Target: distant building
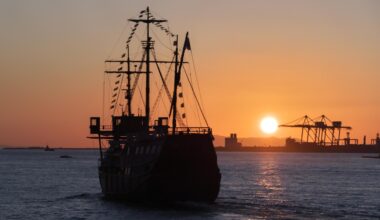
[{"x": 231, "y": 142}]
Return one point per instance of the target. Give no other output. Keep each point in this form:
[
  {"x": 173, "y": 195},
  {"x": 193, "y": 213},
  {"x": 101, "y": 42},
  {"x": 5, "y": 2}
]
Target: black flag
[{"x": 187, "y": 43}]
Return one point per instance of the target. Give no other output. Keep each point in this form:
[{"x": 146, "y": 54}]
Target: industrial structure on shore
[
  {"x": 322, "y": 131},
  {"x": 232, "y": 141},
  {"x": 317, "y": 135}
]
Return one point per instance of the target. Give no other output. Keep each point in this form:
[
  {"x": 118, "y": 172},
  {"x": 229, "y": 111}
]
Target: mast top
[{"x": 149, "y": 19}]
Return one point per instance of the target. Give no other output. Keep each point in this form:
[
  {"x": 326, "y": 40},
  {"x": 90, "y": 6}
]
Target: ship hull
[{"x": 182, "y": 168}]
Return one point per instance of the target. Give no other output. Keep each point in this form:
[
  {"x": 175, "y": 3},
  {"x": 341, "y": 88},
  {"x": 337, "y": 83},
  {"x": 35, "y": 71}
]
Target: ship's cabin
[
  {"x": 161, "y": 125},
  {"x": 128, "y": 124},
  {"x": 94, "y": 125},
  {"x": 121, "y": 125}
]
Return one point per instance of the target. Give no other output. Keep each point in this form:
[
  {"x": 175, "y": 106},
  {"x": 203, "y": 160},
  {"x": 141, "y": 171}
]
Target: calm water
[{"x": 39, "y": 185}]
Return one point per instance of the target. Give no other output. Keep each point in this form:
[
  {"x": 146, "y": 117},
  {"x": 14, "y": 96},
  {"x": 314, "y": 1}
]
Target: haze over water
[{"x": 39, "y": 185}]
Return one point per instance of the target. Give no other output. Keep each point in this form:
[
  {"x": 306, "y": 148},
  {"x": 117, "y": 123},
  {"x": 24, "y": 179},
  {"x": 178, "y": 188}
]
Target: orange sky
[{"x": 254, "y": 58}]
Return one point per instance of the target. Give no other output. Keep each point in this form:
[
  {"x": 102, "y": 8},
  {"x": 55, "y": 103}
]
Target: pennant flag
[{"x": 187, "y": 44}]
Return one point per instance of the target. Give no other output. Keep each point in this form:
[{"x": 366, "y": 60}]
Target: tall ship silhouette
[{"x": 159, "y": 153}]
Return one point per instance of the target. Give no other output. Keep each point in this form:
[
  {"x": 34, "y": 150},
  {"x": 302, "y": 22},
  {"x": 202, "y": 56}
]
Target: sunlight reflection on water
[{"x": 40, "y": 185}]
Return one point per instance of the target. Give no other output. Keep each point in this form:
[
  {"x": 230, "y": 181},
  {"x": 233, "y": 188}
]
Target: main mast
[
  {"x": 128, "y": 95},
  {"x": 148, "y": 44},
  {"x": 147, "y": 86}
]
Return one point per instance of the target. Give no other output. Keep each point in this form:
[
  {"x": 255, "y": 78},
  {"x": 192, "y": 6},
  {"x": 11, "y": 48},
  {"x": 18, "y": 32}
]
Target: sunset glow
[{"x": 298, "y": 57}]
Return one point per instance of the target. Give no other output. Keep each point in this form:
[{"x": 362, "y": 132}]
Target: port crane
[{"x": 321, "y": 130}]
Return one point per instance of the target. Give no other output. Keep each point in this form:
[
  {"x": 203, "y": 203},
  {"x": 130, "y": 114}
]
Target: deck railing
[
  {"x": 107, "y": 130},
  {"x": 191, "y": 130}
]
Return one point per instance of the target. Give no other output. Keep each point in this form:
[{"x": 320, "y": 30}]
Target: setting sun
[{"x": 268, "y": 125}]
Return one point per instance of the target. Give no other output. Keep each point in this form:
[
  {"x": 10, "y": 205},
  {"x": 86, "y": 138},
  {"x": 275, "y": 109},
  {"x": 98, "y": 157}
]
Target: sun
[{"x": 268, "y": 125}]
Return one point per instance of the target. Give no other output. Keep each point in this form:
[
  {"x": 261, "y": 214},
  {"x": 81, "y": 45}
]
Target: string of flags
[
  {"x": 114, "y": 96},
  {"x": 134, "y": 28},
  {"x": 166, "y": 30},
  {"x": 180, "y": 95}
]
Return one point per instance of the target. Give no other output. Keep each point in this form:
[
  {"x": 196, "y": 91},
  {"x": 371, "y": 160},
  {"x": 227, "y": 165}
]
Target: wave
[{"x": 82, "y": 196}]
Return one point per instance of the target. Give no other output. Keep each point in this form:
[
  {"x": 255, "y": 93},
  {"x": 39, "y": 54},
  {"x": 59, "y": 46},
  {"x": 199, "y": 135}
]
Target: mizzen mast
[{"x": 177, "y": 77}]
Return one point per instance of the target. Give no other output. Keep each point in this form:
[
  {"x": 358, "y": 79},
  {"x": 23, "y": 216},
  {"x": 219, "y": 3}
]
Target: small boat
[
  {"x": 47, "y": 148},
  {"x": 156, "y": 155},
  {"x": 65, "y": 156}
]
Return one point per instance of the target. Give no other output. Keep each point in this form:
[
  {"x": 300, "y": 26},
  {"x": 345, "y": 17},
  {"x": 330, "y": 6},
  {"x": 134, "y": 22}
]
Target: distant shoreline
[
  {"x": 302, "y": 149},
  {"x": 42, "y": 148}
]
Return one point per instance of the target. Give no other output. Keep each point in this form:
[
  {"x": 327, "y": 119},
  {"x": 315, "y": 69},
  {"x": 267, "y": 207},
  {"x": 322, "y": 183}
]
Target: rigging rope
[
  {"x": 137, "y": 76},
  {"x": 165, "y": 86},
  {"x": 195, "y": 96},
  {"x": 163, "y": 44},
  {"x": 162, "y": 86},
  {"x": 117, "y": 41},
  {"x": 196, "y": 78}
]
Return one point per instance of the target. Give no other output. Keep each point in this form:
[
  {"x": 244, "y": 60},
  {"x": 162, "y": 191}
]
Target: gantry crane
[{"x": 320, "y": 131}]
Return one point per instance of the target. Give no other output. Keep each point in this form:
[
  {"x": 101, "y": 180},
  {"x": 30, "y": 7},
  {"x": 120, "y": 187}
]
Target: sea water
[{"x": 36, "y": 184}]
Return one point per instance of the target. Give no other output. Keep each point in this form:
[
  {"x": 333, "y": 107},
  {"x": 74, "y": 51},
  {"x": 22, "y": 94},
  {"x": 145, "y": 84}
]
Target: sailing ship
[{"x": 147, "y": 158}]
